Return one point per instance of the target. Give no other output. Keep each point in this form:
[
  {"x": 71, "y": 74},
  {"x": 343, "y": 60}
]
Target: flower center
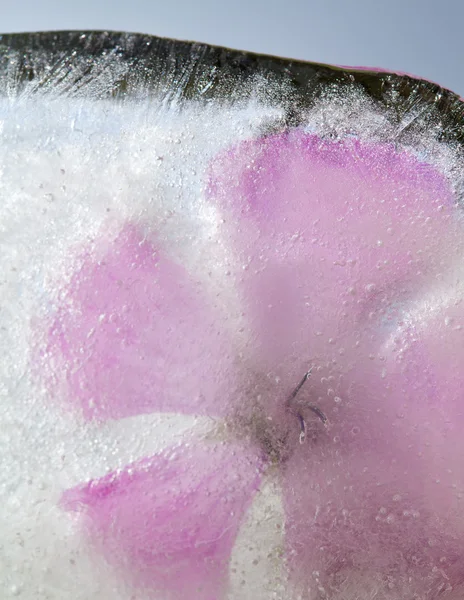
[
  {"x": 294, "y": 409},
  {"x": 277, "y": 435}
]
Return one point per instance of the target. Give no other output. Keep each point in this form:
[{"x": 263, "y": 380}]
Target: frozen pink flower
[{"x": 346, "y": 258}]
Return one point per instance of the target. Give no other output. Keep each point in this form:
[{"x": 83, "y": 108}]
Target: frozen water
[{"x": 172, "y": 263}]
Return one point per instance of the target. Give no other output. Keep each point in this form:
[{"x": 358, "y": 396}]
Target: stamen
[
  {"x": 317, "y": 411},
  {"x": 303, "y": 427},
  {"x": 299, "y": 386}
]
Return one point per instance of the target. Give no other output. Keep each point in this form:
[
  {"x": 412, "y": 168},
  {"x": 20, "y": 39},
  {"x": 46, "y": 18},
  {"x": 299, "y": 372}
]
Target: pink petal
[
  {"x": 424, "y": 394},
  {"x": 170, "y": 521},
  {"x": 326, "y": 233},
  {"x": 381, "y": 495},
  {"x": 351, "y": 520},
  {"x": 136, "y": 335}
]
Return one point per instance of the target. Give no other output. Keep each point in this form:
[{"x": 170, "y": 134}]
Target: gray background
[{"x": 422, "y": 37}]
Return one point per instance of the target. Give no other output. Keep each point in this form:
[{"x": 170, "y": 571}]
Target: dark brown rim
[{"x": 131, "y": 65}]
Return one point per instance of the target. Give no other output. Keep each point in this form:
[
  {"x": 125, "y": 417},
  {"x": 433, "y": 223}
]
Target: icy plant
[{"x": 345, "y": 258}]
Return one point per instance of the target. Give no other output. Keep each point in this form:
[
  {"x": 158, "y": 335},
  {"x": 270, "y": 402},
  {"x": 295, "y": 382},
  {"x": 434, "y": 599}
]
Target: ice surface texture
[{"x": 186, "y": 231}]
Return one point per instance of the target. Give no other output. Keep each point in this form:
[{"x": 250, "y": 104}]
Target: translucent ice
[{"x": 185, "y": 232}]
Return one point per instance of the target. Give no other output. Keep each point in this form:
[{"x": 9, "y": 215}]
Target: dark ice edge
[{"x": 105, "y": 64}]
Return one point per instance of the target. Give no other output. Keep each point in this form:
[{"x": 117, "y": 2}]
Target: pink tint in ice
[
  {"x": 169, "y": 522},
  {"x": 138, "y": 335}
]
